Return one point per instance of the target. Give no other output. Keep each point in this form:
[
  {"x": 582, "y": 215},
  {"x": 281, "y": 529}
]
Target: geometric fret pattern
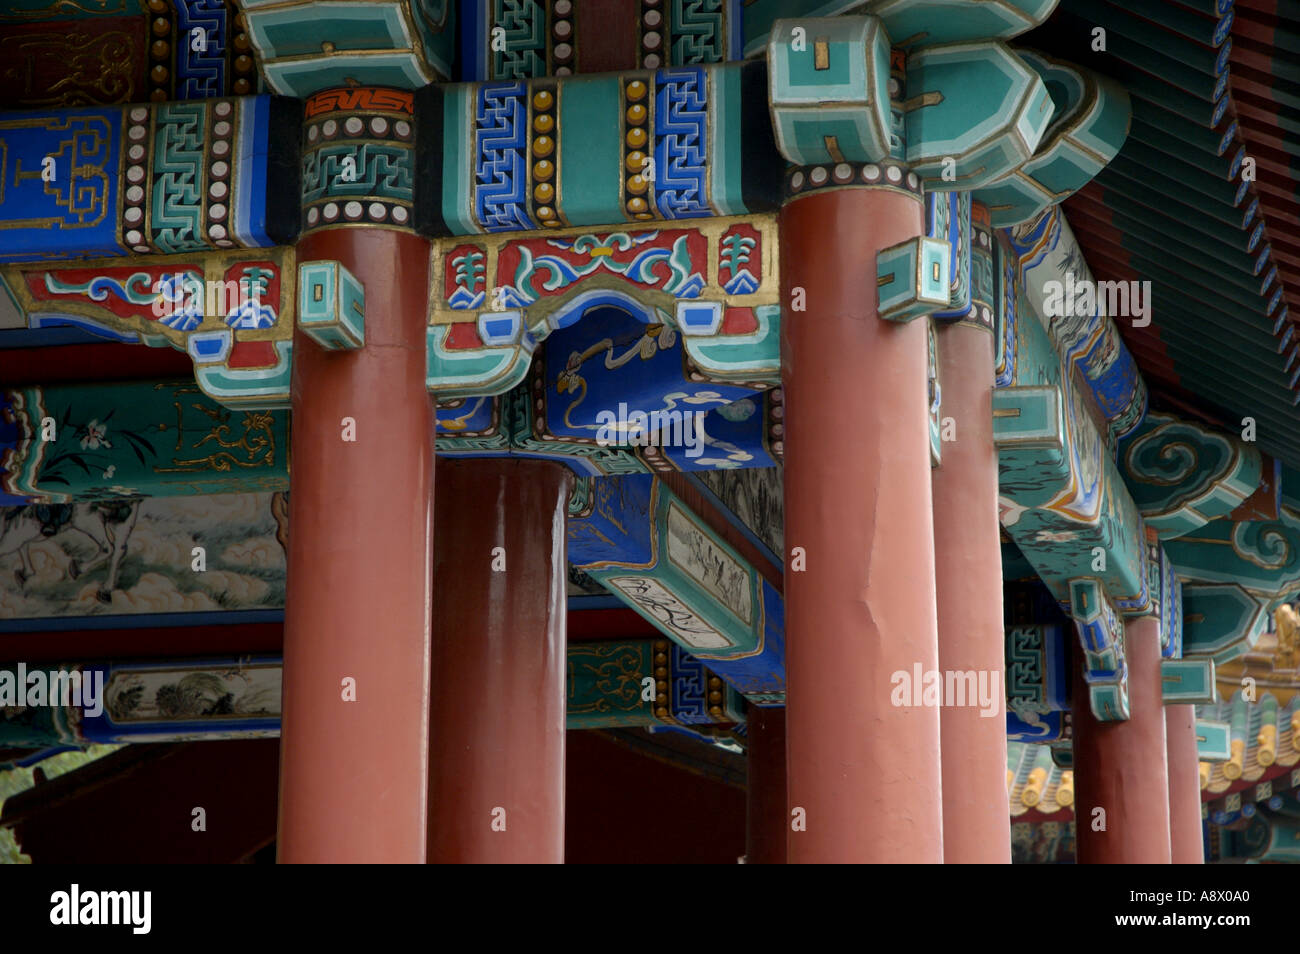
[
  {"x": 673, "y": 143},
  {"x": 500, "y": 172},
  {"x": 681, "y": 188},
  {"x": 358, "y": 158},
  {"x": 177, "y": 183},
  {"x": 201, "y": 59}
]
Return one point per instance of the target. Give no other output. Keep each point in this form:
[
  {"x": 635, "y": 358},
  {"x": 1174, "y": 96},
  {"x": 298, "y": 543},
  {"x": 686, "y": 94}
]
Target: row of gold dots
[
  {"x": 544, "y": 156},
  {"x": 161, "y": 15},
  {"x": 637, "y": 147},
  {"x": 661, "y": 681},
  {"x": 241, "y": 54}
]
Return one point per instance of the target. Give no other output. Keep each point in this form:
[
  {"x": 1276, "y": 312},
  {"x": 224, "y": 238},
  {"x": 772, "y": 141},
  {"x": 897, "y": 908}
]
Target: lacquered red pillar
[
  {"x": 496, "y": 766},
  {"x": 968, "y": 577},
  {"x": 766, "y": 820},
  {"x": 354, "y": 743},
  {"x": 1186, "y": 842},
  {"x": 1121, "y": 767},
  {"x": 864, "y": 777}
]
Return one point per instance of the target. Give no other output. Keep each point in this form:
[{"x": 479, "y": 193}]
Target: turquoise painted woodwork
[
  {"x": 104, "y": 441},
  {"x": 1183, "y": 475},
  {"x": 912, "y": 23},
  {"x": 744, "y": 357},
  {"x": 1263, "y": 556},
  {"x": 915, "y": 24},
  {"x": 1101, "y": 634},
  {"x": 645, "y": 546},
  {"x": 331, "y": 306},
  {"x": 262, "y": 387},
  {"x": 1171, "y": 605},
  {"x": 978, "y": 112},
  {"x": 1187, "y": 680},
  {"x": 828, "y": 84},
  {"x": 1221, "y": 620},
  {"x": 1213, "y": 740},
  {"x": 912, "y": 279},
  {"x": 1089, "y": 125},
  {"x": 328, "y": 44},
  {"x": 644, "y": 682},
  {"x": 499, "y": 361},
  {"x": 1061, "y": 498}
]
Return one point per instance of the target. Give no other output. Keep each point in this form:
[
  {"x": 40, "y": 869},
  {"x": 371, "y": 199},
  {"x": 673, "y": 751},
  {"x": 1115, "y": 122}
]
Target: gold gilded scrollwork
[{"x": 253, "y": 447}]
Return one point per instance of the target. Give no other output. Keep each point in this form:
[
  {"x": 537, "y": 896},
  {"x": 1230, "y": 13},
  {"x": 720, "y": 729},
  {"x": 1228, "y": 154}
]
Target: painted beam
[
  {"x": 644, "y": 545},
  {"x": 1062, "y": 499},
  {"x": 978, "y": 112},
  {"x": 1080, "y": 314},
  {"x": 715, "y": 283},
  {"x": 674, "y": 143},
  {"x": 232, "y": 312},
  {"x": 326, "y": 44},
  {"x": 201, "y": 56},
  {"x": 1262, "y": 556},
  {"x": 611, "y": 684},
  {"x": 68, "y": 443},
  {"x": 165, "y": 178},
  {"x": 912, "y": 23},
  {"x": 1038, "y": 676},
  {"x": 124, "y": 441},
  {"x": 508, "y": 40}
]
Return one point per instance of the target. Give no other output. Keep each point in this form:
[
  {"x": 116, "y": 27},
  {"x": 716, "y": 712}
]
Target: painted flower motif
[{"x": 96, "y": 436}]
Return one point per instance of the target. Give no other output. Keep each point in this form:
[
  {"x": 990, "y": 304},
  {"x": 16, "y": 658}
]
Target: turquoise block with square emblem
[
  {"x": 331, "y": 305},
  {"x": 828, "y": 84},
  {"x": 976, "y": 112},
  {"x": 912, "y": 278},
  {"x": 1213, "y": 741},
  {"x": 1187, "y": 680}
]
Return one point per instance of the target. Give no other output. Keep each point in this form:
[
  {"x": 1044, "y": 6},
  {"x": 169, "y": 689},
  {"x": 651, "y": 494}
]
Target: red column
[
  {"x": 968, "y": 576},
  {"x": 863, "y": 774},
  {"x": 1121, "y": 766},
  {"x": 496, "y": 768},
  {"x": 1186, "y": 842},
  {"x": 767, "y": 817},
  {"x": 353, "y": 773}
]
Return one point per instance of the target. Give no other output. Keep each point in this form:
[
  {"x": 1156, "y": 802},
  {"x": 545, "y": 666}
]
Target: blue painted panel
[{"x": 78, "y": 208}]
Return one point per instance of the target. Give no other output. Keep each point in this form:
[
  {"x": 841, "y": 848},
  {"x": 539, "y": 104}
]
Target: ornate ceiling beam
[
  {"x": 644, "y": 545},
  {"x": 611, "y": 684}
]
